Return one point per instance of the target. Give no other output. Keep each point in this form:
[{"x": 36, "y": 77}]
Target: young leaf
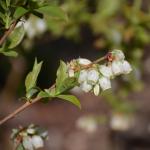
[
  {"x": 19, "y": 12},
  {"x": 61, "y": 75},
  {"x": 16, "y": 37},
  {"x": 31, "y": 78},
  {"x": 20, "y": 147},
  {"x": 71, "y": 99},
  {"x": 31, "y": 93},
  {"x": 53, "y": 12},
  {"x": 66, "y": 85}
]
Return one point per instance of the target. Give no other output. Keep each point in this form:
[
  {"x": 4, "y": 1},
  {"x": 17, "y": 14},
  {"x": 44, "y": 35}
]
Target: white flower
[
  {"x": 96, "y": 89},
  {"x": 71, "y": 73},
  {"x": 27, "y": 143},
  {"x": 119, "y": 55},
  {"x": 106, "y": 71},
  {"x": 40, "y": 25},
  {"x": 37, "y": 141},
  {"x": 86, "y": 87},
  {"x": 117, "y": 67},
  {"x": 87, "y": 123},
  {"x": 104, "y": 83},
  {"x": 126, "y": 67},
  {"x": 83, "y": 61},
  {"x": 93, "y": 76},
  {"x": 82, "y": 76}
]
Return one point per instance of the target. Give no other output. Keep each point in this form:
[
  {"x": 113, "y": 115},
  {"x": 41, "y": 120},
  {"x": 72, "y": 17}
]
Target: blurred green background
[{"x": 119, "y": 119}]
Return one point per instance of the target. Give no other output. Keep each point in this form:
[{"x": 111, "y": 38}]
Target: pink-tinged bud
[
  {"x": 104, "y": 83},
  {"x": 118, "y": 55}
]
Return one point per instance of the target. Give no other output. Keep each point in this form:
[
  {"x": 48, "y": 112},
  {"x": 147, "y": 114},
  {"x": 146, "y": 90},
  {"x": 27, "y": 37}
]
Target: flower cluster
[
  {"x": 30, "y": 138},
  {"x": 95, "y": 77}
]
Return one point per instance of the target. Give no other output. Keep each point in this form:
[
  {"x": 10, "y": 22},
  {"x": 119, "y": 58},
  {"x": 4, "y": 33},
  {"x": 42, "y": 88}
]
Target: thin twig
[{"x": 6, "y": 34}]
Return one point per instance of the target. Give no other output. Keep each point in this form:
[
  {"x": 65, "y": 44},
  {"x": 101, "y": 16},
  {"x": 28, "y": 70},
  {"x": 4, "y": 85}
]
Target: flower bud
[
  {"x": 106, "y": 71},
  {"x": 118, "y": 54},
  {"x": 37, "y": 142},
  {"x": 71, "y": 73},
  {"x": 126, "y": 67},
  {"x": 83, "y": 61},
  {"x": 82, "y": 76},
  {"x": 96, "y": 89},
  {"x": 117, "y": 67},
  {"x": 104, "y": 83},
  {"x": 92, "y": 76},
  {"x": 86, "y": 87}
]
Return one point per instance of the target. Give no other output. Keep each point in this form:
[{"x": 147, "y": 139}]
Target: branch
[
  {"x": 20, "y": 109},
  {"x": 32, "y": 101},
  {"x": 6, "y": 34}
]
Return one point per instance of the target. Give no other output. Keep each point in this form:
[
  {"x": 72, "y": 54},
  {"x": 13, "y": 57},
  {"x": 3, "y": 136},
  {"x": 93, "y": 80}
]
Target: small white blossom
[
  {"x": 104, "y": 83},
  {"x": 83, "y": 61},
  {"x": 82, "y": 76},
  {"x": 93, "y": 76},
  {"x": 27, "y": 143},
  {"x": 96, "y": 89},
  {"x": 30, "y": 130},
  {"x": 119, "y": 55},
  {"x": 86, "y": 87},
  {"x": 37, "y": 142},
  {"x": 106, "y": 71},
  {"x": 40, "y": 25},
  {"x": 126, "y": 67},
  {"x": 88, "y": 124},
  {"x": 117, "y": 67},
  {"x": 71, "y": 73}
]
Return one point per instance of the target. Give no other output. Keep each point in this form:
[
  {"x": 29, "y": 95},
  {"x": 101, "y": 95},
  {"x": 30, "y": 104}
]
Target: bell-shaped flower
[
  {"x": 104, "y": 83},
  {"x": 82, "y": 76},
  {"x": 106, "y": 71},
  {"x": 27, "y": 143},
  {"x": 118, "y": 54},
  {"x": 84, "y": 61},
  {"x": 85, "y": 86},
  {"x": 126, "y": 67},
  {"x": 96, "y": 89},
  {"x": 92, "y": 76},
  {"x": 37, "y": 142},
  {"x": 117, "y": 67}
]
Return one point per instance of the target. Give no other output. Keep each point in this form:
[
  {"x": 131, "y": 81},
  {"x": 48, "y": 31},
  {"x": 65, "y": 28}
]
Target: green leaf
[
  {"x": 44, "y": 94},
  {"x": 19, "y": 12},
  {"x": 66, "y": 85},
  {"x": 8, "y": 3},
  {"x": 10, "y": 53},
  {"x": 31, "y": 92},
  {"x": 61, "y": 75},
  {"x": 71, "y": 99},
  {"x": 31, "y": 78},
  {"x": 16, "y": 37},
  {"x": 53, "y": 12}
]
